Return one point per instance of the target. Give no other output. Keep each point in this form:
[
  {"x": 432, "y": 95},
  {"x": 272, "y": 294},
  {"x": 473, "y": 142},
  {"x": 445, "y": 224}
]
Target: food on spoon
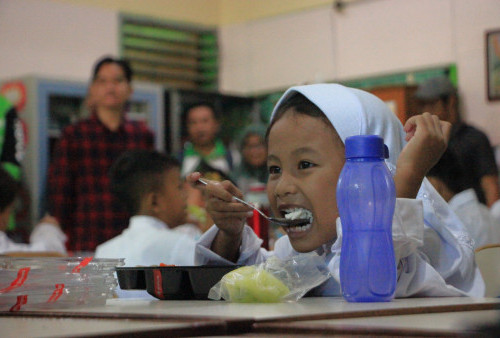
[
  {"x": 251, "y": 285},
  {"x": 298, "y": 213}
]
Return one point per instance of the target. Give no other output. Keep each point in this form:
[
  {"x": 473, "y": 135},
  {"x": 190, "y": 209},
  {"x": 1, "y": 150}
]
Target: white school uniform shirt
[
  {"x": 45, "y": 237},
  {"x": 483, "y": 228},
  {"x": 147, "y": 241},
  {"x": 190, "y": 230},
  {"x": 429, "y": 263},
  {"x": 434, "y": 253}
]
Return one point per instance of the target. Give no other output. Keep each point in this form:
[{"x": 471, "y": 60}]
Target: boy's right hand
[
  {"x": 50, "y": 220},
  {"x": 228, "y": 215}
]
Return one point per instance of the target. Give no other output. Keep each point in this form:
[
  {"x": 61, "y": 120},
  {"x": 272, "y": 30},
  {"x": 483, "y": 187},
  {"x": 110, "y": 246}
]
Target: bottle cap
[{"x": 365, "y": 146}]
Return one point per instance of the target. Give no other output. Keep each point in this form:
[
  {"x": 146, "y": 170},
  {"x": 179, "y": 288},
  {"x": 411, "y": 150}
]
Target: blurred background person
[
  {"x": 204, "y": 151},
  {"x": 11, "y": 139},
  {"x": 447, "y": 177},
  {"x": 251, "y": 178},
  {"x": 198, "y": 219},
  {"x": 471, "y": 146},
  {"x": 12, "y": 150},
  {"x": 78, "y": 185},
  {"x": 253, "y": 166},
  {"x": 45, "y": 237},
  {"x": 149, "y": 184}
]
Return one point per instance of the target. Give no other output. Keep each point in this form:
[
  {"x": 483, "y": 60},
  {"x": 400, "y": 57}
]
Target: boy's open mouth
[{"x": 298, "y": 213}]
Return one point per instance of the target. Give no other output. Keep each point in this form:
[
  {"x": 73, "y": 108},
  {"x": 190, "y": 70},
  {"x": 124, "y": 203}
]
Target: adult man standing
[
  {"x": 471, "y": 146},
  {"x": 204, "y": 152},
  {"x": 79, "y": 194}
]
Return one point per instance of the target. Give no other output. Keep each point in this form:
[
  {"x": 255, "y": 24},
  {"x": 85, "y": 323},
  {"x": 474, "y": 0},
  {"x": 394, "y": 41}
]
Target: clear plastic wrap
[
  {"x": 55, "y": 282},
  {"x": 273, "y": 281},
  {"x": 62, "y": 264}
]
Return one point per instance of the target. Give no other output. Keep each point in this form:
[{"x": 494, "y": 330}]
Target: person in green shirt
[
  {"x": 11, "y": 144},
  {"x": 204, "y": 152}
]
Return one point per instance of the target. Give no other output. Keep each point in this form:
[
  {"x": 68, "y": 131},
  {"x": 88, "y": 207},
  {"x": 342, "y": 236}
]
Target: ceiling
[{"x": 204, "y": 12}]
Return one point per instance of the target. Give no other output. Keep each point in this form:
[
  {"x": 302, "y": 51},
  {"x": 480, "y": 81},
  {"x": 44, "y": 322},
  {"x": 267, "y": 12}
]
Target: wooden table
[
  {"x": 456, "y": 323},
  {"x": 55, "y": 326},
  {"x": 214, "y": 317}
]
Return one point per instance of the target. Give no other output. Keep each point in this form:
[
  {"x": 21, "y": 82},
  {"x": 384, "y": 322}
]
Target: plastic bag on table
[{"x": 273, "y": 281}]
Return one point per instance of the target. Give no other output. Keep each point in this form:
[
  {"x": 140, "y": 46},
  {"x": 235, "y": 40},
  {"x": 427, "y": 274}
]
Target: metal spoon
[{"x": 279, "y": 221}]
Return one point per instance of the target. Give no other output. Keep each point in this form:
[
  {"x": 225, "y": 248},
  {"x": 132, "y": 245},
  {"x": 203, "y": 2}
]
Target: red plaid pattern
[{"x": 78, "y": 184}]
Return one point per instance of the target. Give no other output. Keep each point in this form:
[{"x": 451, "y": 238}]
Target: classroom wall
[
  {"x": 53, "y": 39},
  {"x": 205, "y": 12},
  {"x": 193, "y": 11},
  {"x": 368, "y": 38}
]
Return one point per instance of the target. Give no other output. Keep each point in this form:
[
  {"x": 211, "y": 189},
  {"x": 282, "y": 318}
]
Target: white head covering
[
  {"x": 353, "y": 112},
  {"x": 356, "y": 112}
]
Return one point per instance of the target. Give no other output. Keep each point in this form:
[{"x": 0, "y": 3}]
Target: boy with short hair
[
  {"x": 447, "y": 177},
  {"x": 149, "y": 184},
  {"x": 47, "y": 235}
]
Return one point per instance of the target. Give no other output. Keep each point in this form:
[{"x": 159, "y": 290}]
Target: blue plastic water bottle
[{"x": 366, "y": 197}]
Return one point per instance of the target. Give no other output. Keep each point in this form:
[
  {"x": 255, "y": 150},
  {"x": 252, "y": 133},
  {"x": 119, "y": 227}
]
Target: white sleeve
[
  {"x": 483, "y": 228},
  {"x": 407, "y": 233},
  {"x": 183, "y": 250},
  {"x": 443, "y": 265},
  {"x": 168, "y": 247},
  {"x": 7, "y": 245},
  {"x": 433, "y": 252},
  {"x": 45, "y": 237},
  {"x": 250, "y": 249},
  {"x": 407, "y": 227}
]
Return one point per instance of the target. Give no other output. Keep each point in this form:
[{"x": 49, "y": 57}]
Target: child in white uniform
[
  {"x": 434, "y": 253},
  {"x": 45, "y": 237},
  {"x": 447, "y": 177},
  {"x": 150, "y": 185}
]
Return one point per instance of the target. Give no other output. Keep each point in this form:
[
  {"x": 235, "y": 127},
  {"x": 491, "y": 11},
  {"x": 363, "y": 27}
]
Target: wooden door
[{"x": 399, "y": 98}]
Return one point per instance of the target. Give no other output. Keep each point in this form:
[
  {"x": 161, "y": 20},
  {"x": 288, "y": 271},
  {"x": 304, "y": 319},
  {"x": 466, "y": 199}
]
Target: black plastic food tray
[{"x": 173, "y": 282}]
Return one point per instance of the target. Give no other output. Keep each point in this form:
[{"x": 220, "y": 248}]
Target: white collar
[
  {"x": 464, "y": 197},
  {"x": 141, "y": 221}
]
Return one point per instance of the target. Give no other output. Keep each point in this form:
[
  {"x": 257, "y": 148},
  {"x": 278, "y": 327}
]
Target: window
[{"x": 179, "y": 56}]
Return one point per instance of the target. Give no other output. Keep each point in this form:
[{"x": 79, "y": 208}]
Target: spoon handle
[
  {"x": 251, "y": 206},
  {"x": 240, "y": 200}
]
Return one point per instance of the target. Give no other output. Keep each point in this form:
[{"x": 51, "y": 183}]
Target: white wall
[
  {"x": 471, "y": 20},
  {"x": 53, "y": 39},
  {"x": 384, "y": 36},
  {"x": 274, "y": 53},
  {"x": 368, "y": 38}
]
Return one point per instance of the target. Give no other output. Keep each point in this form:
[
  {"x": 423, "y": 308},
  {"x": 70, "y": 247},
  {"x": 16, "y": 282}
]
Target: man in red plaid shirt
[{"x": 78, "y": 184}]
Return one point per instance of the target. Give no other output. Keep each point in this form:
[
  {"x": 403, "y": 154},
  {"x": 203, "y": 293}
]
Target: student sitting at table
[
  {"x": 309, "y": 124},
  {"x": 447, "y": 177},
  {"x": 150, "y": 186},
  {"x": 45, "y": 238}
]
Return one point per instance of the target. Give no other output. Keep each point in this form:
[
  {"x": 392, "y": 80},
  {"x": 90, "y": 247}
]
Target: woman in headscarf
[{"x": 253, "y": 167}]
